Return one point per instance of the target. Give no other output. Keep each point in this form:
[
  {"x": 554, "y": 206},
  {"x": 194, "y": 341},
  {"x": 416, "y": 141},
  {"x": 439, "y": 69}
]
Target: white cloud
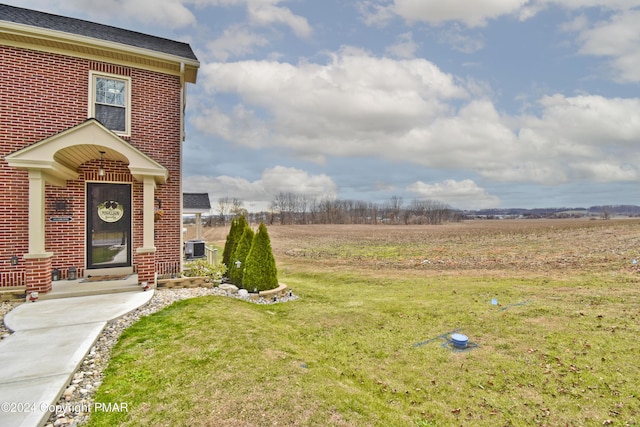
[
  {"x": 166, "y": 13},
  {"x": 353, "y": 105},
  {"x": 265, "y": 12},
  {"x": 584, "y": 4},
  {"x": 236, "y": 41},
  {"x": 618, "y": 38},
  {"x": 583, "y": 137},
  {"x": 404, "y": 48},
  {"x": 472, "y": 13},
  {"x": 604, "y": 171},
  {"x": 579, "y": 23},
  {"x": 292, "y": 180},
  {"x": 240, "y": 125},
  {"x": 174, "y": 13},
  {"x": 458, "y": 40},
  {"x": 261, "y": 192},
  {"x": 375, "y": 13},
  {"x": 463, "y": 194},
  {"x": 357, "y": 105},
  {"x": 592, "y": 120},
  {"x": 225, "y": 186}
]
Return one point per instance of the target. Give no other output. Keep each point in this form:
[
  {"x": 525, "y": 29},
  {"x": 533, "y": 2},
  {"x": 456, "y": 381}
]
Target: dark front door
[{"x": 108, "y": 225}]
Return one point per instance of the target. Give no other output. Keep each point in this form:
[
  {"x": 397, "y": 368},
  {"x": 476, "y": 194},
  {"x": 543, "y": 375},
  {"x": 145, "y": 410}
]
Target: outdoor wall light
[
  {"x": 101, "y": 170},
  {"x": 238, "y": 264},
  {"x": 14, "y": 260}
]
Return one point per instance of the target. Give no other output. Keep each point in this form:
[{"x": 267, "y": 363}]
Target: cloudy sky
[{"x": 474, "y": 103}]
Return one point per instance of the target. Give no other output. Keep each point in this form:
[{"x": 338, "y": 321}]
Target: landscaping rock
[{"x": 232, "y": 289}]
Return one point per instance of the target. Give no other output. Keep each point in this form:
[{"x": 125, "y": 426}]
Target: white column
[
  {"x": 198, "y": 226},
  {"x": 36, "y": 214},
  {"x": 148, "y": 243}
]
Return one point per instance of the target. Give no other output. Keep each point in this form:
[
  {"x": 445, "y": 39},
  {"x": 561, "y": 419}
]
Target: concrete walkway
[{"x": 49, "y": 341}]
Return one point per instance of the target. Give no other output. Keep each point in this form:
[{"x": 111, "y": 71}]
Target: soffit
[{"x": 27, "y": 37}]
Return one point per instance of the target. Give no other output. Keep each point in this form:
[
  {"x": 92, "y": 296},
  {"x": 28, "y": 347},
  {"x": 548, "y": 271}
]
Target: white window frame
[{"x": 93, "y": 75}]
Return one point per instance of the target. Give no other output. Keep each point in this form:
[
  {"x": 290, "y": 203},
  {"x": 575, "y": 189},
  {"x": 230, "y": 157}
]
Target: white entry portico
[{"x": 56, "y": 159}]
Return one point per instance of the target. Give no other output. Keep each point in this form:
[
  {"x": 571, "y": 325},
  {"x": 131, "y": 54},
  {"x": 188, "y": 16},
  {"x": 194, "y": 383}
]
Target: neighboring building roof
[
  {"x": 80, "y": 27},
  {"x": 195, "y": 202}
]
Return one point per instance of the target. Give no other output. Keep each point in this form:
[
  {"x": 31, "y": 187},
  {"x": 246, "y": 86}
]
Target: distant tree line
[
  {"x": 291, "y": 208},
  {"x": 600, "y": 211}
]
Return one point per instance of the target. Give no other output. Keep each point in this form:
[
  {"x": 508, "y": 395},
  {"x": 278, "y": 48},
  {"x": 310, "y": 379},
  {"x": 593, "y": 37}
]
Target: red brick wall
[
  {"x": 146, "y": 272},
  {"x": 42, "y": 94},
  {"x": 38, "y": 274}
]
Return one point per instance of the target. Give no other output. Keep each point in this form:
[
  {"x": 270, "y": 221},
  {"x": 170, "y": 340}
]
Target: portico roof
[{"x": 59, "y": 156}]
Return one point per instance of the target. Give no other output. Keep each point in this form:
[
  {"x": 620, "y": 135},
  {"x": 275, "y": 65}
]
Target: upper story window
[{"x": 110, "y": 102}]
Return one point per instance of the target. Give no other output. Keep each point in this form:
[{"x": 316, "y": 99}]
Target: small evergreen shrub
[
  {"x": 238, "y": 225},
  {"x": 242, "y": 250},
  {"x": 260, "y": 266}
]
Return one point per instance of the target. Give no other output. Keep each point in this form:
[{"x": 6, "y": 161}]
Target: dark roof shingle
[
  {"x": 196, "y": 201},
  {"x": 84, "y": 28}
]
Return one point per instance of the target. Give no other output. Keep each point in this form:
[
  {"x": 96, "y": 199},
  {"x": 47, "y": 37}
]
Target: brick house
[{"x": 91, "y": 132}]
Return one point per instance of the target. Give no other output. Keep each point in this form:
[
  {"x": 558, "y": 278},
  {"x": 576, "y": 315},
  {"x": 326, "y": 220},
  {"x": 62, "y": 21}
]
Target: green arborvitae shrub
[
  {"x": 238, "y": 225},
  {"x": 260, "y": 267},
  {"x": 240, "y": 254}
]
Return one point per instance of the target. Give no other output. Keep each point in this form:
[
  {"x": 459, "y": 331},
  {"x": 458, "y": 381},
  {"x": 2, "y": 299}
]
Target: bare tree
[
  {"x": 236, "y": 207},
  {"x": 314, "y": 210},
  {"x": 223, "y": 208},
  {"x": 304, "y": 201},
  {"x": 429, "y": 212},
  {"x": 393, "y": 209},
  {"x": 331, "y": 211}
]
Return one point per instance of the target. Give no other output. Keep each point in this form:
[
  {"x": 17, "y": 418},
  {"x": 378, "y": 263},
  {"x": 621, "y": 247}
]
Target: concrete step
[
  {"x": 79, "y": 288},
  {"x": 12, "y": 293}
]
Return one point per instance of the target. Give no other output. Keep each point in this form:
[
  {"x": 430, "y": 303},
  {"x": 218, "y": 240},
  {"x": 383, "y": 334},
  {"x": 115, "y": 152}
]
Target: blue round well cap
[{"x": 459, "y": 338}]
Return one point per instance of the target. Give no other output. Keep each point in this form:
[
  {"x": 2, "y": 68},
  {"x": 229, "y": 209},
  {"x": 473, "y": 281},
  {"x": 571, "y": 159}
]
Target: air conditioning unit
[{"x": 194, "y": 249}]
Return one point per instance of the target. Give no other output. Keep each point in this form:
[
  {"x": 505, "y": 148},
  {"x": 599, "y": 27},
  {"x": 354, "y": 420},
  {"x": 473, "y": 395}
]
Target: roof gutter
[{"x": 49, "y": 38}]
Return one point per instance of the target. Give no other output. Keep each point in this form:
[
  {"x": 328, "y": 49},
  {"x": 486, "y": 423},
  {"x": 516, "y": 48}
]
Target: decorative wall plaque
[{"x": 110, "y": 211}]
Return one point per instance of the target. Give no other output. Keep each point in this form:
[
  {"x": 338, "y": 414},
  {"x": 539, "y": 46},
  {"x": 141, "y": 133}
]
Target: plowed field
[{"x": 502, "y": 247}]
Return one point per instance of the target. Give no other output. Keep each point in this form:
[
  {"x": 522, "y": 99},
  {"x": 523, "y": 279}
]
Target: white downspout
[{"x": 183, "y": 103}]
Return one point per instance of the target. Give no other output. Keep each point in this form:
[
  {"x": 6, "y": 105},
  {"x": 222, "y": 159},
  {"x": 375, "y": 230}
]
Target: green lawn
[{"x": 364, "y": 350}]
